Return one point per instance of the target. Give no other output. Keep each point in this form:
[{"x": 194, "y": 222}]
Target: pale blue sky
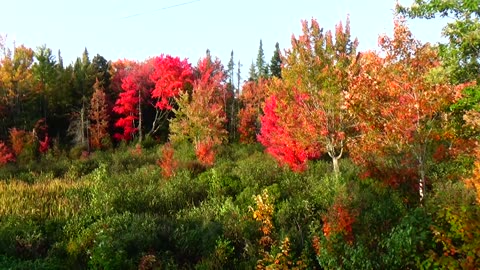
[{"x": 188, "y": 30}]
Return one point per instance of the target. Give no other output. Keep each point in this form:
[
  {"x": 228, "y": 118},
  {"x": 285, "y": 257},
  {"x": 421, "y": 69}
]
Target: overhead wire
[{"x": 159, "y": 9}]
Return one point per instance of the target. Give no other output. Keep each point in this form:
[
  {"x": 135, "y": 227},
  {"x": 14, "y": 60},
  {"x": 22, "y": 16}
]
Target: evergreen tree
[
  {"x": 276, "y": 63},
  {"x": 262, "y": 67},
  {"x": 232, "y": 106},
  {"x": 100, "y": 67},
  {"x": 239, "y": 77},
  {"x": 83, "y": 90},
  {"x": 230, "y": 69},
  {"x": 98, "y": 118},
  {"x": 252, "y": 73},
  {"x": 44, "y": 74}
]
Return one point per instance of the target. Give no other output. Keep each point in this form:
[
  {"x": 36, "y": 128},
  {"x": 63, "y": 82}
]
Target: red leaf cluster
[
  {"x": 339, "y": 221},
  {"x": 252, "y": 98},
  {"x": 204, "y": 150},
  {"x": 279, "y": 138},
  {"x": 41, "y": 132},
  {"x": 44, "y": 144},
  {"x": 136, "y": 86},
  {"x": 6, "y": 154},
  {"x": 171, "y": 76}
]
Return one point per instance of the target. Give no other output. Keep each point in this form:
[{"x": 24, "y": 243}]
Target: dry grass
[{"x": 47, "y": 199}]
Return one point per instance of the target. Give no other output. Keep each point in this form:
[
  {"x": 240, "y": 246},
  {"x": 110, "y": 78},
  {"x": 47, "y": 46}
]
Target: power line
[{"x": 164, "y": 8}]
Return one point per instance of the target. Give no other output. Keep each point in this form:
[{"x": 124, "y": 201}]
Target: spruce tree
[
  {"x": 252, "y": 73},
  {"x": 276, "y": 63},
  {"x": 262, "y": 68},
  {"x": 231, "y": 67}
]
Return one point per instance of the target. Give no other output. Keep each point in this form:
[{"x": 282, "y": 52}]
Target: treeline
[{"x": 96, "y": 103}]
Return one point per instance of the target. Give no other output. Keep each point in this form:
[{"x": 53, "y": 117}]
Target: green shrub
[
  {"x": 22, "y": 238},
  {"x": 119, "y": 241},
  {"x": 258, "y": 170},
  {"x": 370, "y": 212},
  {"x": 149, "y": 142},
  {"x": 180, "y": 192},
  {"x": 13, "y": 263},
  {"x": 455, "y": 228},
  {"x": 404, "y": 247}
]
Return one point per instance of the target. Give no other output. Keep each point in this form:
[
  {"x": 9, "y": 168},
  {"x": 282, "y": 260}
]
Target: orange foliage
[
  {"x": 474, "y": 181},
  {"x": 339, "y": 220},
  {"x": 99, "y": 118},
  {"x": 204, "y": 150},
  {"x": 305, "y": 113},
  {"x": 201, "y": 116},
  {"x": 167, "y": 162},
  {"x": 252, "y": 98},
  {"x": 394, "y": 104},
  {"x": 18, "y": 139}
]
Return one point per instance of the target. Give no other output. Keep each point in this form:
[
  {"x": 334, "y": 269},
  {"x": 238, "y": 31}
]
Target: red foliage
[
  {"x": 136, "y": 87},
  {"x": 204, "y": 150},
  {"x": 201, "y": 116},
  {"x": 6, "y": 154},
  {"x": 41, "y": 132},
  {"x": 171, "y": 76},
  {"x": 279, "y": 139},
  {"x": 339, "y": 221},
  {"x": 252, "y": 97},
  {"x": 44, "y": 144},
  {"x": 167, "y": 162}
]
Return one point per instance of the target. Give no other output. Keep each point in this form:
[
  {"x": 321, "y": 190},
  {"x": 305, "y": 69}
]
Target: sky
[{"x": 137, "y": 30}]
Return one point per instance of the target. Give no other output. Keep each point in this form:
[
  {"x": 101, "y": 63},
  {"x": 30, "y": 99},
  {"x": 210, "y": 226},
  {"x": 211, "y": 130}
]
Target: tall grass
[{"x": 51, "y": 199}]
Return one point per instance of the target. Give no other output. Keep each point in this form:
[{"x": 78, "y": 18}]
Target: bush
[
  {"x": 119, "y": 241},
  {"x": 406, "y": 244},
  {"x": 258, "y": 171},
  {"x": 455, "y": 228}
]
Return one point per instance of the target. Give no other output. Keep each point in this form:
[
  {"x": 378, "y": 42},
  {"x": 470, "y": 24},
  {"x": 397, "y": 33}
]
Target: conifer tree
[
  {"x": 44, "y": 74},
  {"x": 98, "y": 117},
  {"x": 262, "y": 67},
  {"x": 252, "y": 73},
  {"x": 276, "y": 63}
]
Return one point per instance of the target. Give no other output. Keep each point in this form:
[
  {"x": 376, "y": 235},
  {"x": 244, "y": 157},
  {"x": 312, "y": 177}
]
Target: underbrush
[{"x": 115, "y": 210}]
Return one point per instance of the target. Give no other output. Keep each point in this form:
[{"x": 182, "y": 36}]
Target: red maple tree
[
  {"x": 397, "y": 106},
  {"x": 201, "y": 117},
  {"x": 252, "y": 97},
  {"x": 137, "y": 87},
  {"x": 279, "y": 127},
  {"x": 171, "y": 76},
  {"x": 306, "y": 115}
]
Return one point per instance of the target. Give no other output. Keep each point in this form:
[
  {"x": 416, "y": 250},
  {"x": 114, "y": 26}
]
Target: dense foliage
[{"x": 343, "y": 159}]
